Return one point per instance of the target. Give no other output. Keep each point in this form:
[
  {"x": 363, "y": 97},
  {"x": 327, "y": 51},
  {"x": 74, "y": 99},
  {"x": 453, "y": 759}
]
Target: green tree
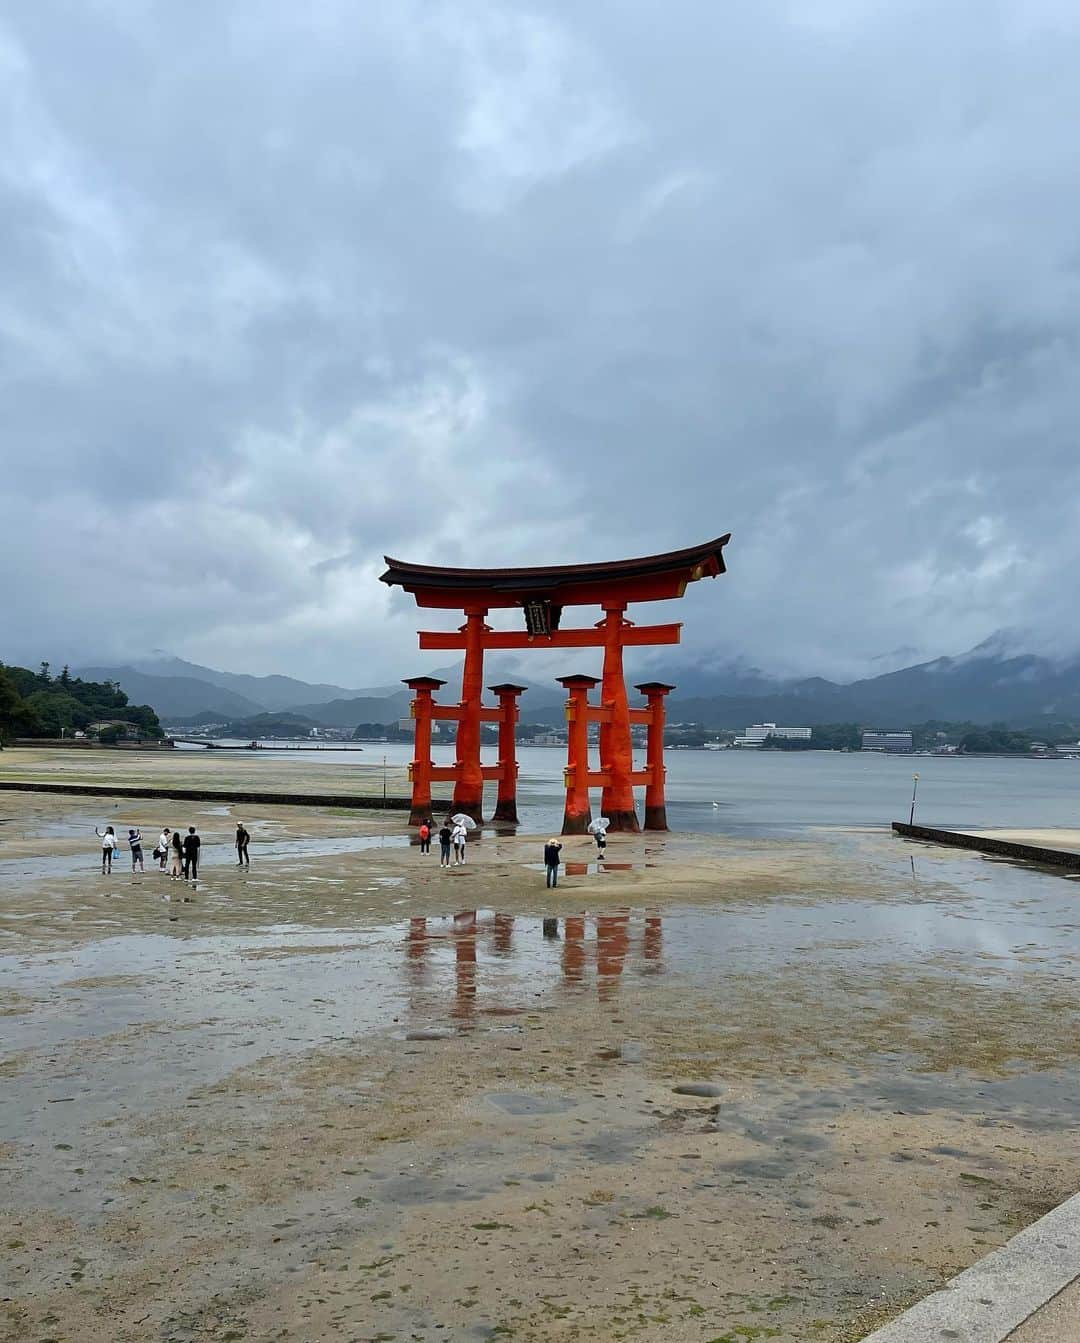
[
  {"x": 17, "y": 718},
  {"x": 44, "y": 706},
  {"x": 996, "y": 740}
]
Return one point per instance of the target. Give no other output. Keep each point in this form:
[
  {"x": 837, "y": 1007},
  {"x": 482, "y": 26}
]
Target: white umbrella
[
  {"x": 599, "y": 825},
  {"x": 462, "y": 819}
]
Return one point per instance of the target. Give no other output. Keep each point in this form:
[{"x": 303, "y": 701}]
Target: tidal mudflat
[{"x": 347, "y": 1095}]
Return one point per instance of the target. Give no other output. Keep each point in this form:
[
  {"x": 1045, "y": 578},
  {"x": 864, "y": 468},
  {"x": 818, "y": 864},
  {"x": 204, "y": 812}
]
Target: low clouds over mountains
[{"x": 992, "y": 683}]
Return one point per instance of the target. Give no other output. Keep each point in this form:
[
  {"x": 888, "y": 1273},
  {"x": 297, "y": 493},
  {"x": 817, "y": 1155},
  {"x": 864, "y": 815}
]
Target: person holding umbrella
[
  {"x": 598, "y": 830},
  {"x": 462, "y": 825}
]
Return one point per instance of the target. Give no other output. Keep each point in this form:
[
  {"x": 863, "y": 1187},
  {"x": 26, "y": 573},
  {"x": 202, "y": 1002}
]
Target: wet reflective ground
[{"x": 351, "y": 1095}]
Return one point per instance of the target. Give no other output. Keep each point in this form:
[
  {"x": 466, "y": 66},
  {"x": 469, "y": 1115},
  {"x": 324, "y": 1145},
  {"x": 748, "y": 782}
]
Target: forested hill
[{"x": 38, "y": 704}]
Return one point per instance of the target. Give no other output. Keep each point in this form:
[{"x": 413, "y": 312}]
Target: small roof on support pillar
[{"x": 647, "y": 578}]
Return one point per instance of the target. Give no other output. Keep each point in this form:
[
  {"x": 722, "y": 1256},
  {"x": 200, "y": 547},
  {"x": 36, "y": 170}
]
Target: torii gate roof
[{"x": 647, "y": 578}]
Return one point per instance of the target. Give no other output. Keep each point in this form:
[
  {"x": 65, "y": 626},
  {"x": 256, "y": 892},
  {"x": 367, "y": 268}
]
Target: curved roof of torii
[{"x": 647, "y": 578}]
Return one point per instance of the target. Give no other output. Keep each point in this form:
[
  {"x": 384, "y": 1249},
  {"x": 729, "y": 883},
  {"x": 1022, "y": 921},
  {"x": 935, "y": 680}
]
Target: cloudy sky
[{"x": 285, "y": 287}]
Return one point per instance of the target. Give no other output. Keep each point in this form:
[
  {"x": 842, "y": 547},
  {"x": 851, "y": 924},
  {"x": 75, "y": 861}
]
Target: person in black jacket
[
  {"x": 552, "y": 857},
  {"x": 192, "y": 843}
]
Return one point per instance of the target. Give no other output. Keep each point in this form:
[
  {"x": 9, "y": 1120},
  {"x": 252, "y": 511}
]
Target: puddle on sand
[{"x": 154, "y": 1018}]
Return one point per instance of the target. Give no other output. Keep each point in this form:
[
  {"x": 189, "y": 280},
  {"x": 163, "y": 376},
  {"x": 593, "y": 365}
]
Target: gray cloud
[{"x": 283, "y": 288}]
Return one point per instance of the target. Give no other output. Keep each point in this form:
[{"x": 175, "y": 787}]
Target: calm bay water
[{"x": 772, "y": 791}]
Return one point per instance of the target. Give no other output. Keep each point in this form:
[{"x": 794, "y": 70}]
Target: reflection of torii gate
[{"x": 543, "y": 593}]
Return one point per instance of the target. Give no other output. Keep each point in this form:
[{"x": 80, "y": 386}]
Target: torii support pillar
[
  {"x": 616, "y": 751},
  {"x": 506, "y": 804},
  {"x": 655, "y": 805},
  {"x": 577, "y": 813},
  {"x": 421, "y": 710}
]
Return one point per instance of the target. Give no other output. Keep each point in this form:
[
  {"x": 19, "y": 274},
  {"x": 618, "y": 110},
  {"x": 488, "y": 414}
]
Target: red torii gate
[{"x": 543, "y": 593}]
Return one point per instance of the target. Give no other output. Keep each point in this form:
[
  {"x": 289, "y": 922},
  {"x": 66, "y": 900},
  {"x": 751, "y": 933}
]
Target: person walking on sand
[
  {"x": 446, "y": 836},
  {"x": 176, "y": 852},
  {"x": 424, "y": 835},
  {"x": 135, "y": 844},
  {"x": 163, "y": 845},
  {"x": 108, "y": 847},
  {"x": 459, "y": 835},
  {"x": 191, "y": 846},
  {"x": 552, "y": 858},
  {"x": 242, "y": 841}
]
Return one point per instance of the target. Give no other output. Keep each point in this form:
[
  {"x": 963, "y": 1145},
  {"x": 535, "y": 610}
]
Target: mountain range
[{"x": 994, "y": 682}]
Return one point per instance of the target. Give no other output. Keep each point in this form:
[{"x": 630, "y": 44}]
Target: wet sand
[
  {"x": 1057, "y": 838},
  {"x": 214, "y": 1124},
  {"x": 360, "y": 772}
]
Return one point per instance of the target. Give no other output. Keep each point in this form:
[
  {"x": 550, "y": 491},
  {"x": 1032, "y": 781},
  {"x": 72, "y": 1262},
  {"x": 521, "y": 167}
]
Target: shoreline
[{"x": 351, "y": 800}]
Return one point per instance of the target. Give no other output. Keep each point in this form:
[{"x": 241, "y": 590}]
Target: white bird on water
[{"x": 716, "y": 804}]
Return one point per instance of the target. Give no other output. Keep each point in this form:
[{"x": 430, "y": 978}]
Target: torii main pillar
[
  {"x": 469, "y": 783},
  {"x": 616, "y": 750}
]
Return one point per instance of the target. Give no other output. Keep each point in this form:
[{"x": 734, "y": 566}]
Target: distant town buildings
[
  {"x": 893, "y": 743},
  {"x": 756, "y": 733}
]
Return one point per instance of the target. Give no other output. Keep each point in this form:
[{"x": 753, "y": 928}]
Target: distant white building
[
  {"x": 756, "y": 733},
  {"x": 895, "y": 743}
]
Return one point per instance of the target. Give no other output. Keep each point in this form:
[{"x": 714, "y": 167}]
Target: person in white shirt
[
  {"x": 108, "y": 846},
  {"x": 163, "y": 847},
  {"x": 458, "y": 838}
]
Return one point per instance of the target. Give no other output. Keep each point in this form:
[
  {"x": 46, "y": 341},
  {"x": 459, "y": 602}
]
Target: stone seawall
[
  {"x": 225, "y": 795},
  {"x": 1007, "y": 848}
]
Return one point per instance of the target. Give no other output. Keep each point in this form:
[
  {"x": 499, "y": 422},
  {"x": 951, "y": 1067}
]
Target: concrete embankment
[
  {"x": 1025, "y": 1291},
  {"x": 1006, "y": 848},
  {"x": 222, "y": 795}
]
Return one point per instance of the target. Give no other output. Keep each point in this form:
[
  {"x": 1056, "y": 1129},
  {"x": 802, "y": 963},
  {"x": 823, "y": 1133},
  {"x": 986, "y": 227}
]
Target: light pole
[
  {"x": 914, "y": 790},
  {"x": 384, "y": 782}
]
